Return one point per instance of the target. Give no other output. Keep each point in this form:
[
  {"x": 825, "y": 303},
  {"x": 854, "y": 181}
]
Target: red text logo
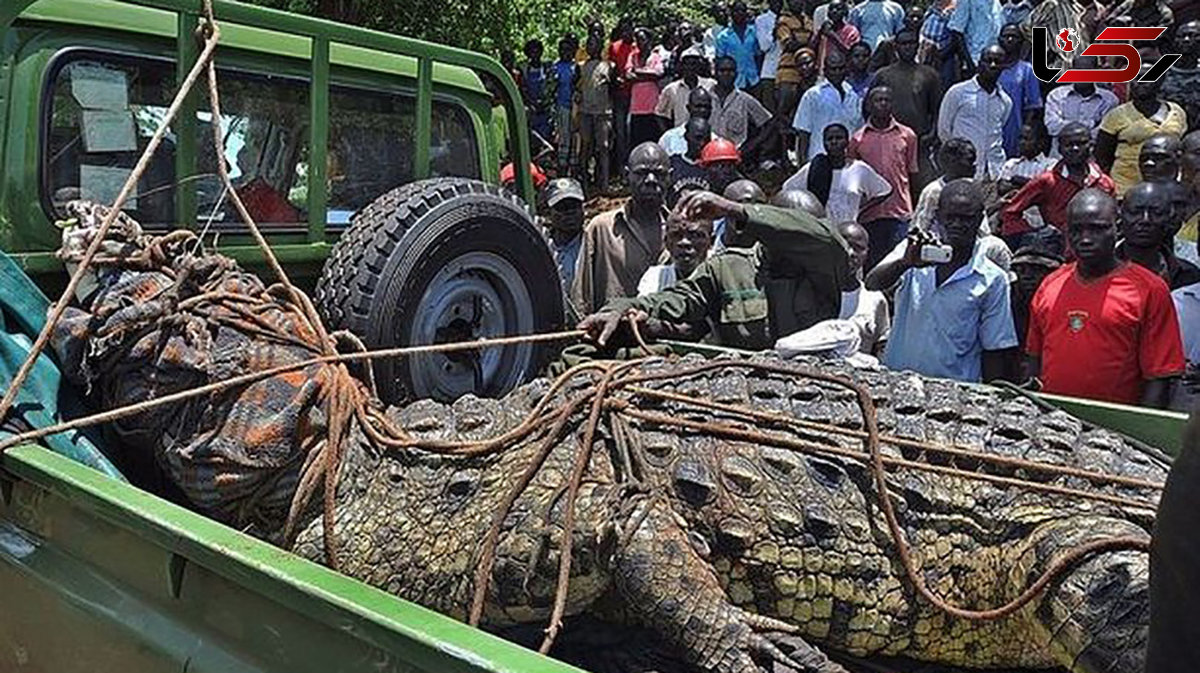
[{"x": 1110, "y": 42}]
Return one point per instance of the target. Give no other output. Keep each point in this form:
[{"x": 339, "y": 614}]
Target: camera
[{"x": 936, "y": 253}]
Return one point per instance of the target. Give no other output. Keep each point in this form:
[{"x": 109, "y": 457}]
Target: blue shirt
[
  {"x": 877, "y": 20},
  {"x": 980, "y": 22},
  {"x": 943, "y": 331},
  {"x": 1019, "y": 82},
  {"x": 565, "y": 71},
  {"x": 744, "y": 51},
  {"x": 566, "y": 256},
  {"x": 821, "y": 106}
]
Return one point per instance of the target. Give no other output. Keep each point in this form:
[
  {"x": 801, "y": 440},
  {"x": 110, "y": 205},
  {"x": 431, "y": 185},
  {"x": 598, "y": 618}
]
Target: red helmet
[
  {"x": 719, "y": 149},
  {"x": 508, "y": 175}
]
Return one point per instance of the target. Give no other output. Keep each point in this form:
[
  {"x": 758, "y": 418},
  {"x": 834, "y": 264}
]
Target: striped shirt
[{"x": 935, "y": 30}]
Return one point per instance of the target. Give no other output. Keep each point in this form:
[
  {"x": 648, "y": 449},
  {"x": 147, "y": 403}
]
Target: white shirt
[
  {"x": 848, "y": 189},
  {"x": 672, "y": 101},
  {"x": 868, "y": 311},
  {"x": 656, "y": 279},
  {"x": 820, "y": 16},
  {"x": 968, "y": 111},
  {"x": 764, "y": 30},
  {"x": 709, "y": 42}
]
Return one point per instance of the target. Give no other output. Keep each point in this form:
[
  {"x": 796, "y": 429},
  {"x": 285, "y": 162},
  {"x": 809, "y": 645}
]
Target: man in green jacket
[{"x": 785, "y": 273}]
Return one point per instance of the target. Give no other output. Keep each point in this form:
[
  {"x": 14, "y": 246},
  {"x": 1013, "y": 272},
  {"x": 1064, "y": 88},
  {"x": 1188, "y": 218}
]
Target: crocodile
[{"x": 721, "y": 545}]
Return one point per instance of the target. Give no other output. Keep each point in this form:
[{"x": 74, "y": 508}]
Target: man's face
[
  {"x": 837, "y": 12},
  {"x": 688, "y": 242},
  {"x": 1144, "y": 91},
  {"x": 835, "y": 69},
  {"x": 836, "y": 141},
  {"x": 1191, "y": 157},
  {"x": 726, "y": 73},
  {"x": 796, "y": 7},
  {"x": 960, "y": 166},
  {"x": 567, "y": 216},
  {"x": 739, "y": 14},
  {"x": 1029, "y": 142},
  {"x": 860, "y": 57},
  {"x": 689, "y": 67},
  {"x": 721, "y": 174},
  {"x": 642, "y": 38},
  {"x": 1029, "y": 278},
  {"x": 697, "y": 137},
  {"x": 906, "y": 46},
  {"x": 1075, "y": 147},
  {"x": 1187, "y": 38},
  {"x": 806, "y": 64},
  {"x": 1092, "y": 232},
  {"x": 914, "y": 17},
  {"x": 775, "y": 5},
  {"x": 959, "y": 216},
  {"x": 1011, "y": 39},
  {"x": 700, "y": 104},
  {"x": 879, "y": 104},
  {"x": 648, "y": 173},
  {"x": 594, "y": 44},
  {"x": 990, "y": 64},
  {"x": 859, "y": 242},
  {"x": 1159, "y": 160},
  {"x": 1145, "y": 218}
]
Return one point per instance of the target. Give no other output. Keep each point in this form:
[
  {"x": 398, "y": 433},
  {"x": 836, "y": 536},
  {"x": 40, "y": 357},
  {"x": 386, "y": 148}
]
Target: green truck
[{"x": 371, "y": 161}]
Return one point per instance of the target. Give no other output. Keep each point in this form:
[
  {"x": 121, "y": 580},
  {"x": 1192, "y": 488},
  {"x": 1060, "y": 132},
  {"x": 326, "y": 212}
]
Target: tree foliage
[{"x": 492, "y": 25}]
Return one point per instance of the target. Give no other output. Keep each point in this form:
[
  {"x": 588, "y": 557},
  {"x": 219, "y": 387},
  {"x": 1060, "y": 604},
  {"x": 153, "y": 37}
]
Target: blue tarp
[{"x": 44, "y": 399}]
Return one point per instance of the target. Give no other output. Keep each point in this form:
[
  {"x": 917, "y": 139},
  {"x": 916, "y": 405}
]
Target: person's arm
[
  {"x": 995, "y": 365},
  {"x": 802, "y": 139},
  {"x": 1156, "y": 393},
  {"x": 1012, "y": 213},
  {"x": 960, "y": 18},
  {"x": 876, "y": 188},
  {"x": 673, "y": 313},
  {"x": 997, "y": 332},
  {"x": 888, "y": 272},
  {"x": 1032, "y": 371},
  {"x": 946, "y": 114},
  {"x": 1160, "y": 347},
  {"x": 1106, "y": 150}
]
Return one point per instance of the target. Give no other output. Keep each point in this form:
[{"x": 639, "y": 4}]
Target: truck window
[
  {"x": 264, "y": 126},
  {"x": 105, "y": 108},
  {"x": 371, "y": 146},
  {"x": 103, "y": 112}
]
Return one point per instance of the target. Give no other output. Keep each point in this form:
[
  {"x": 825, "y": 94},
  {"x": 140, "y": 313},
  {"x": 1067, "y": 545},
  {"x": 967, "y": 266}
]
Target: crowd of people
[{"x": 939, "y": 208}]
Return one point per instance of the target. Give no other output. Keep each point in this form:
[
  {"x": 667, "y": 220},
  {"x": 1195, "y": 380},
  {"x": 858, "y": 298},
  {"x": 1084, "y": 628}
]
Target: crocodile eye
[{"x": 462, "y": 485}]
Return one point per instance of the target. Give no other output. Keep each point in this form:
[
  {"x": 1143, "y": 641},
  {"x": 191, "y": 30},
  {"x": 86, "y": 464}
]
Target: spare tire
[{"x": 445, "y": 260}]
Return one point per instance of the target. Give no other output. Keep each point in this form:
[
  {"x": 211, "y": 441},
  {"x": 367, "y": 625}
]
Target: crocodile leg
[
  {"x": 1096, "y": 617},
  {"x": 674, "y": 591}
]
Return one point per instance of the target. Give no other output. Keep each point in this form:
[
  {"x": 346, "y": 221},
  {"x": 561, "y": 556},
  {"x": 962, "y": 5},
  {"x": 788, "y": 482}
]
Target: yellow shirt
[{"x": 1131, "y": 129}]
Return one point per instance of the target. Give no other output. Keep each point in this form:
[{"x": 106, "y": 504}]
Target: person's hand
[
  {"x": 1191, "y": 378},
  {"x": 709, "y": 206},
  {"x": 601, "y": 327},
  {"x": 912, "y": 253}
]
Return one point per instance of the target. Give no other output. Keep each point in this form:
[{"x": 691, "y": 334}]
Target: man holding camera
[{"x": 953, "y": 315}]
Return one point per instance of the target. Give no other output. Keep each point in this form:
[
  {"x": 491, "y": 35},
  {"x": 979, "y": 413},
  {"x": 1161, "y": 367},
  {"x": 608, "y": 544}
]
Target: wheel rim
[{"x": 478, "y": 295}]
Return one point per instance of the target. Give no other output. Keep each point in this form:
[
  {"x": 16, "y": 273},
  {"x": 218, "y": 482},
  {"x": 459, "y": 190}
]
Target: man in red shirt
[
  {"x": 618, "y": 54},
  {"x": 1053, "y": 190},
  {"x": 891, "y": 149},
  {"x": 1101, "y": 328}
]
